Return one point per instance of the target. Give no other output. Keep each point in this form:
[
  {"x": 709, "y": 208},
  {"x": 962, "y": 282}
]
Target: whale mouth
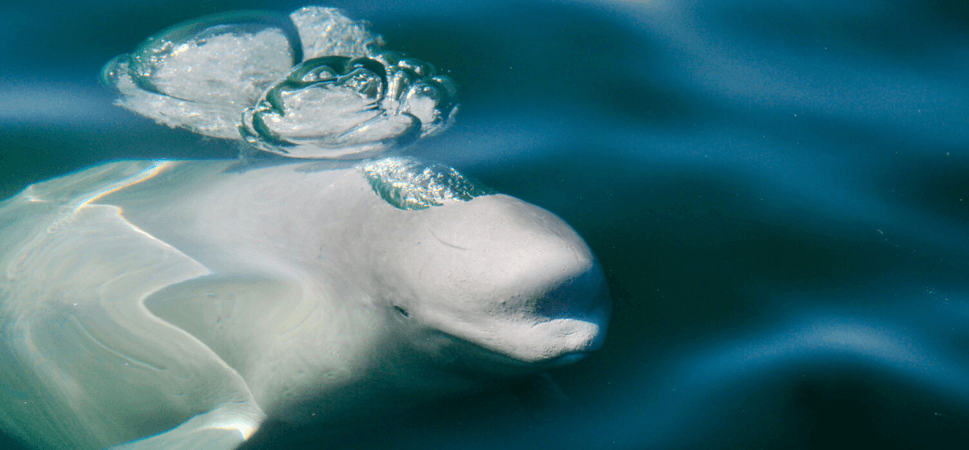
[
  {"x": 515, "y": 349},
  {"x": 566, "y": 360},
  {"x": 528, "y": 342},
  {"x": 480, "y": 362}
]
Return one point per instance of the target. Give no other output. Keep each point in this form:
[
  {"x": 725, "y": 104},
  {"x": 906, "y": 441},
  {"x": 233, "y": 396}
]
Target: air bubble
[
  {"x": 242, "y": 76},
  {"x": 409, "y": 184},
  {"x": 338, "y": 107},
  {"x": 202, "y": 74}
]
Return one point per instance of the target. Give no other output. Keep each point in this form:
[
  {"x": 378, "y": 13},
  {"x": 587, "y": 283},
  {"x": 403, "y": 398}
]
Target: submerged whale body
[{"x": 181, "y": 304}]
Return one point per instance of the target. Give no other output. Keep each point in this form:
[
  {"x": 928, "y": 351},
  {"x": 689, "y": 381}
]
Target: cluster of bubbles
[
  {"x": 314, "y": 84},
  {"x": 410, "y": 184}
]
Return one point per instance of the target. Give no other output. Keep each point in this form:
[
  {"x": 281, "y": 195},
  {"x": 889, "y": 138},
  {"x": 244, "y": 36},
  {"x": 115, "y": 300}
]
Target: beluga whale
[{"x": 156, "y": 304}]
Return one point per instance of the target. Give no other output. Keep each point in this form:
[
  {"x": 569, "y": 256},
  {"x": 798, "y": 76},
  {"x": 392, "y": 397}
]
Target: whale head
[
  {"x": 334, "y": 298},
  {"x": 492, "y": 282}
]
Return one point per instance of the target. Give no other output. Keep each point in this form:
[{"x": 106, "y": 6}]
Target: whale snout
[
  {"x": 508, "y": 277},
  {"x": 561, "y": 314},
  {"x": 571, "y": 292}
]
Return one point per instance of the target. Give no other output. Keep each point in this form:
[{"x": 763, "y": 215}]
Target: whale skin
[{"x": 182, "y": 304}]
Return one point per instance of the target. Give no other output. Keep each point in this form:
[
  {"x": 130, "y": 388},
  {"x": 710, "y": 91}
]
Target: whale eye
[{"x": 402, "y": 311}]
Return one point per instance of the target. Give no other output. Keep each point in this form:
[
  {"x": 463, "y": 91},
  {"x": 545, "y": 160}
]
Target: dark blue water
[{"x": 777, "y": 190}]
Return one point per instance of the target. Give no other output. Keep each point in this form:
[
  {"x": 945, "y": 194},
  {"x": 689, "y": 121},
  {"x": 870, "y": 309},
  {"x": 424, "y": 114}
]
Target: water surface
[{"x": 777, "y": 191}]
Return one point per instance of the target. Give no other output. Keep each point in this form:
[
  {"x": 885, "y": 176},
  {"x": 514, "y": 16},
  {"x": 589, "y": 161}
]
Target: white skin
[{"x": 302, "y": 295}]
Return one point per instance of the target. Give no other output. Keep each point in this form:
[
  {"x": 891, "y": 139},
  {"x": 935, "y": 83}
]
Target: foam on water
[
  {"x": 312, "y": 85},
  {"x": 335, "y": 106}
]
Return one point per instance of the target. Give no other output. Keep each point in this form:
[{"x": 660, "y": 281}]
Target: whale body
[{"x": 182, "y": 304}]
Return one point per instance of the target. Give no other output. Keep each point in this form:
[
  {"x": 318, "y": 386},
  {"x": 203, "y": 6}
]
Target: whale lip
[
  {"x": 481, "y": 362},
  {"x": 528, "y": 348},
  {"x": 566, "y": 359}
]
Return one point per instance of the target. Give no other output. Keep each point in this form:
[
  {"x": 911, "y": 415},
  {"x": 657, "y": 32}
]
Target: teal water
[{"x": 777, "y": 191}]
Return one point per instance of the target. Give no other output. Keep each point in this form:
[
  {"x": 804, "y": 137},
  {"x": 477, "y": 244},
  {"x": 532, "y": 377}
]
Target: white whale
[{"x": 181, "y": 304}]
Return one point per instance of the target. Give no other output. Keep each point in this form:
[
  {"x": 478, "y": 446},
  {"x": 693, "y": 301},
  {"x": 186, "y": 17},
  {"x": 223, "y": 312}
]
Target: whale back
[{"x": 83, "y": 365}]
